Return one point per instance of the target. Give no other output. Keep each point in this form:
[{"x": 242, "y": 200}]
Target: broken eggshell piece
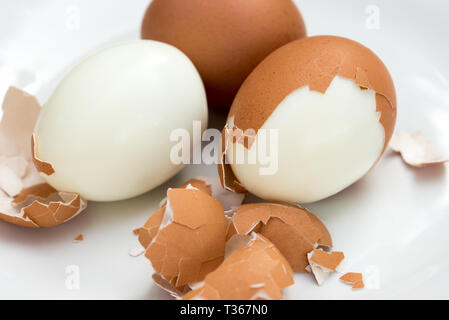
[
  {"x": 185, "y": 239},
  {"x": 331, "y": 102},
  {"x": 293, "y": 230},
  {"x": 322, "y": 263},
  {"x": 255, "y": 271},
  {"x": 354, "y": 279},
  {"x": 79, "y": 238},
  {"x": 25, "y": 199},
  {"x": 211, "y": 186},
  {"x": 416, "y": 149}
]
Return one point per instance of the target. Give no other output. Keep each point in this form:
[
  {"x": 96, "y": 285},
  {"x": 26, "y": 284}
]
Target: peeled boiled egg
[
  {"x": 226, "y": 40},
  {"x": 321, "y": 110},
  {"x": 105, "y": 130}
]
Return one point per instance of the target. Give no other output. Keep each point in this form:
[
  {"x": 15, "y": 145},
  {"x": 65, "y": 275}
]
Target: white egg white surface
[
  {"x": 106, "y": 127},
  {"x": 326, "y": 142}
]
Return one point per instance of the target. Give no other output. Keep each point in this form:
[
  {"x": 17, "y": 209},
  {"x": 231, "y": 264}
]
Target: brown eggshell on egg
[
  {"x": 225, "y": 40},
  {"x": 313, "y": 61}
]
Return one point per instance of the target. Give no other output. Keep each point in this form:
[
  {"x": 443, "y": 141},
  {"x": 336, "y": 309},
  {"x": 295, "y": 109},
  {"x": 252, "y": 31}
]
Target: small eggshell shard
[
  {"x": 256, "y": 271},
  {"x": 322, "y": 263},
  {"x": 327, "y": 260},
  {"x": 293, "y": 230},
  {"x": 326, "y": 108},
  {"x": 78, "y": 238},
  {"x": 416, "y": 149},
  {"x": 111, "y": 127},
  {"x": 185, "y": 239},
  {"x": 226, "y": 49},
  {"x": 25, "y": 199},
  {"x": 354, "y": 279}
]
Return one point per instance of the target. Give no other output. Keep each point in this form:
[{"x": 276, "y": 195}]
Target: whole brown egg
[{"x": 225, "y": 39}]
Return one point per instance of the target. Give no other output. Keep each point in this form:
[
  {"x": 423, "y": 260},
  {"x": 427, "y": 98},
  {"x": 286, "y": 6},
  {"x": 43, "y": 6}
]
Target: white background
[{"x": 393, "y": 225}]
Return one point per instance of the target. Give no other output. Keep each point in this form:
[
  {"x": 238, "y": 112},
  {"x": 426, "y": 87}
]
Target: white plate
[{"x": 393, "y": 225}]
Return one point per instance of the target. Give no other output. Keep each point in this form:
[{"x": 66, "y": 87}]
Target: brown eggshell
[
  {"x": 78, "y": 238},
  {"x": 24, "y": 199},
  {"x": 225, "y": 40},
  {"x": 327, "y": 260},
  {"x": 313, "y": 62},
  {"x": 294, "y": 230},
  {"x": 185, "y": 239},
  {"x": 151, "y": 227},
  {"x": 354, "y": 279},
  {"x": 41, "y": 206},
  {"x": 322, "y": 263},
  {"x": 257, "y": 271}
]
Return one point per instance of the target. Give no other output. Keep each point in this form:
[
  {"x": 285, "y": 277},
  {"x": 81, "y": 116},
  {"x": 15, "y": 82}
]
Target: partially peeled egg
[{"x": 320, "y": 111}]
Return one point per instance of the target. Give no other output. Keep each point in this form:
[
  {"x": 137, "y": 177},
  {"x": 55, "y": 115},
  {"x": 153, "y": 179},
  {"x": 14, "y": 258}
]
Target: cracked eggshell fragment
[
  {"x": 332, "y": 103},
  {"x": 41, "y": 206},
  {"x": 416, "y": 149},
  {"x": 255, "y": 271},
  {"x": 185, "y": 239},
  {"x": 354, "y": 279},
  {"x": 322, "y": 263},
  {"x": 293, "y": 230},
  {"x": 106, "y": 127},
  {"x": 24, "y": 199},
  {"x": 78, "y": 238}
]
